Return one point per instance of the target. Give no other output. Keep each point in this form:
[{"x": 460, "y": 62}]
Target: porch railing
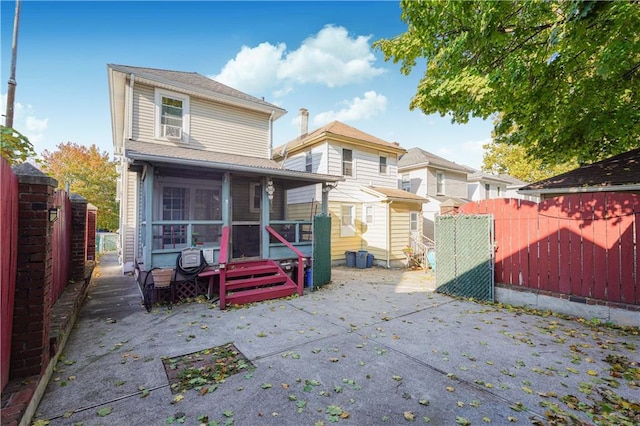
[
  {"x": 300, "y": 278},
  {"x": 419, "y": 250},
  {"x": 223, "y": 258}
]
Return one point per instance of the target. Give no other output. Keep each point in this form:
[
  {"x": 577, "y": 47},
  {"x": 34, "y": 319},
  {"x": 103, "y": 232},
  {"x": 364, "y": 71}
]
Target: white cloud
[
  {"x": 253, "y": 69},
  {"x": 357, "y": 109},
  {"x": 331, "y": 58},
  {"x": 25, "y": 120},
  {"x": 469, "y": 153}
]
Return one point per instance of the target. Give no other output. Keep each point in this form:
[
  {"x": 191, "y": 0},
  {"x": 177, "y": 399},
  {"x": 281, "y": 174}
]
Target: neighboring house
[
  {"x": 442, "y": 182},
  {"x": 484, "y": 186},
  {"x": 195, "y": 158},
  {"x": 620, "y": 173},
  {"x": 368, "y": 211}
]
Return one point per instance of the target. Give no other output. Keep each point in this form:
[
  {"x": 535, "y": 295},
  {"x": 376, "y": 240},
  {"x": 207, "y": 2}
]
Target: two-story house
[
  {"x": 196, "y": 170},
  {"x": 484, "y": 186},
  {"x": 442, "y": 182},
  {"x": 368, "y": 211}
]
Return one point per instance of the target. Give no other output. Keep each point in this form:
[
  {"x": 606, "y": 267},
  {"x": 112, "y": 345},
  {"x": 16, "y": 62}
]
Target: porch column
[
  {"x": 264, "y": 219},
  {"x": 226, "y": 197},
  {"x": 148, "y": 215},
  {"x": 325, "y": 199}
]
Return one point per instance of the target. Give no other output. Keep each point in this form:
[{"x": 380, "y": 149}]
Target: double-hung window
[
  {"x": 413, "y": 221},
  {"x": 172, "y": 111},
  {"x": 406, "y": 182},
  {"x": 347, "y": 221},
  {"x": 487, "y": 191},
  {"x": 347, "y": 162},
  {"x": 308, "y": 161},
  {"x": 383, "y": 165},
  {"x": 367, "y": 214},
  {"x": 439, "y": 183}
]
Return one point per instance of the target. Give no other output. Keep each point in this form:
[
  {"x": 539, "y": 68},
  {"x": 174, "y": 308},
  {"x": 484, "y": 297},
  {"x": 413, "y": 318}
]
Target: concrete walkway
[{"x": 373, "y": 347}]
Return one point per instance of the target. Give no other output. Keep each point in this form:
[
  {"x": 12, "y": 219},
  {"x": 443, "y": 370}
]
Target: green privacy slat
[
  {"x": 321, "y": 250},
  {"x": 464, "y": 247}
]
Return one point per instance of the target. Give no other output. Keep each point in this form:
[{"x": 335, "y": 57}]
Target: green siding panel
[{"x": 321, "y": 273}]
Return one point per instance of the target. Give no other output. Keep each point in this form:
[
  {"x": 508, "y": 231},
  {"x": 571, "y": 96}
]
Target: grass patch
[{"x": 205, "y": 368}]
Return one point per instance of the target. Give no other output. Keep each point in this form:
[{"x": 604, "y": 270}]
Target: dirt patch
[{"x": 204, "y": 369}]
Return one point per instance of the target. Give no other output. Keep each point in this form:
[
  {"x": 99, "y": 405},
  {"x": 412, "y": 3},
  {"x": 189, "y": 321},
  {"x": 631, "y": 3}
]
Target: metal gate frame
[
  {"x": 465, "y": 255},
  {"x": 321, "y": 268}
]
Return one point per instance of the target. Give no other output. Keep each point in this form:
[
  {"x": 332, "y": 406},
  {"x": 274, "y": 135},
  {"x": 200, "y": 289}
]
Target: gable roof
[
  {"x": 480, "y": 176},
  {"x": 339, "y": 131},
  {"x": 417, "y": 158},
  {"x": 162, "y": 153},
  {"x": 394, "y": 194},
  {"x": 618, "y": 173},
  {"x": 193, "y": 82}
]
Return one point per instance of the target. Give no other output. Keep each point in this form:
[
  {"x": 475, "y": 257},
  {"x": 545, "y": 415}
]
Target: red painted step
[{"x": 260, "y": 294}]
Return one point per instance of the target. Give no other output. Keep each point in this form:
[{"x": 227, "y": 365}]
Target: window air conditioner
[{"x": 171, "y": 132}]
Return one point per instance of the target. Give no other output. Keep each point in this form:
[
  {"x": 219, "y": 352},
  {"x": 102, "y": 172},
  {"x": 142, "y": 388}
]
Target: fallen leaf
[
  {"x": 105, "y": 411},
  {"x": 408, "y": 415}
]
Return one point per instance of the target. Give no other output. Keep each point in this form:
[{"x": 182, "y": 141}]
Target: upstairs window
[
  {"x": 347, "y": 162},
  {"x": 173, "y": 116},
  {"x": 383, "y": 165},
  {"x": 308, "y": 161},
  {"x": 406, "y": 182},
  {"x": 439, "y": 183}
]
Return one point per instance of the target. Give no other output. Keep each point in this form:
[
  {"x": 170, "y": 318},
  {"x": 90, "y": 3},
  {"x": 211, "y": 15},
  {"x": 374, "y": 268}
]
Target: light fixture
[
  {"x": 270, "y": 189},
  {"x": 53, "y": 214}
]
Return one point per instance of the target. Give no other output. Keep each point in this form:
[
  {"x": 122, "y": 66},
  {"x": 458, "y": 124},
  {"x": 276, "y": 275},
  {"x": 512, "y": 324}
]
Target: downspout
[
  {"x": 128, "y": 129},
  {"x": 271, "y": 135},
  {"x": 389, "y": 234}
]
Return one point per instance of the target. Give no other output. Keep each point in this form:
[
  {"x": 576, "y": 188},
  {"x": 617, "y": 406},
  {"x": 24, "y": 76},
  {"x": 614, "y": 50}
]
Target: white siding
[
  {"x": 129, "y": 219},
  {"x": 213, "y": 126},
  {"x": 375, "y": 236}
]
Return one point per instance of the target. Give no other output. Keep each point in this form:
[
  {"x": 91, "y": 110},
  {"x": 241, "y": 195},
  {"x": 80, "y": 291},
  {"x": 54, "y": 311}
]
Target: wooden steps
[{"x": 254, "y": 281}]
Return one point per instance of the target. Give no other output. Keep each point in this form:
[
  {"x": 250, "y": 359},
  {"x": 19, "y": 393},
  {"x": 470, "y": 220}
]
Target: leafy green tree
[
  {"x": 14, "y": 146},
  {"x": 565, "y": 75},
  {"x": 513, "y": 160},
  {"x": 90, "y": 174}
]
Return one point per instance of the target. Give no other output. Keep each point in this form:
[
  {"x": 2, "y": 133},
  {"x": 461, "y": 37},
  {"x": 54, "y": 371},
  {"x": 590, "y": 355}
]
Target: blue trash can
[
  {"x": 361, "y": 259},
  {"x": 351, "y": 258},
  {"x": 308, "y": 277},
  {"x": 369, "y": 260}
]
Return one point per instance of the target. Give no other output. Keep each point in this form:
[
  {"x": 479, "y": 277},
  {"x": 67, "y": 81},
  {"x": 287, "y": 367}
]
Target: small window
[
  {"x": 406, "y": 182},
  {"x": 440, "y": 183},
  {"x": 347, "y": 222},
  {"x": 368, "y": 214},
  {"x": 308, "y": 161},
  {"x": 255, "y": 197},
  {"x": 347, "y": 162},
  {"x": 498, "y": 192},
  {"x": 383, "y": 165},
  {"x": 413, "y": 221},
  {"x": 172, "y": 112},
  {"x": 487, "y": 191}
]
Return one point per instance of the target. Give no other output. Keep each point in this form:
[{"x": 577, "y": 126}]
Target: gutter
[
  {"x": 389, "y": 234},
  {"x": 129, "y": 127},
  {"x": 236, "y": 168},
  {"x": 580, "y": 190}
]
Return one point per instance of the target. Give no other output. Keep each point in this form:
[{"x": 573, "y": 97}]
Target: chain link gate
[{"x": 464, "y": 253}]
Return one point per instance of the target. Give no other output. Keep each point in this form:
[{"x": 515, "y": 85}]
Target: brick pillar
[
  {"x": 92, "y": 219},
  {"x": 78, "y": 236},
  {"x": 32, "y": 310}
]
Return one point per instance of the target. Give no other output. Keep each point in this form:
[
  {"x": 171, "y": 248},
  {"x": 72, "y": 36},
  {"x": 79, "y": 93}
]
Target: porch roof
[
  {"x": 394, "y": 194},
  {"x": 169, "y": 154}
]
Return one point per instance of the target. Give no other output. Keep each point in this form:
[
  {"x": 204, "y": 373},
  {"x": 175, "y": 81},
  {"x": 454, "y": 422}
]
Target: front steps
[{"x": 254, "y": 281}]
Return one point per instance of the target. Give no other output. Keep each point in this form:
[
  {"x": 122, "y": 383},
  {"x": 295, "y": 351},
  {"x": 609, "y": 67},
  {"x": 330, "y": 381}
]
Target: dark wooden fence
[
  {"x": 8, "y": 253},
  {"x": 62, "y": 230},
  {"x": 582, "y": 245}
]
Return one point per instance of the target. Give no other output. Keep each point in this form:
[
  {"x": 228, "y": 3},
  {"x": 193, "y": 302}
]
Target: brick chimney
[{"x": 304, "y": 121}]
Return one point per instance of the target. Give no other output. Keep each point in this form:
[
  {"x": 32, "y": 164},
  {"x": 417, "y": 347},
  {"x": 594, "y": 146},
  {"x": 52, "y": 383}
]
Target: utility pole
[{"x": 11, "y": 90}]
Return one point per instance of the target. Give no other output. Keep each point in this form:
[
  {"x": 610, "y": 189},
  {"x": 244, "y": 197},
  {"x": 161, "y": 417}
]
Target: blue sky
[{"x": 315, "y": 55}]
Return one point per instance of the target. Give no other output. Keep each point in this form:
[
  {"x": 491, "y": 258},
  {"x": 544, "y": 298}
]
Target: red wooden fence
[
  {"x": 8, "y": 253},
  {"x": 62, "y": 230},
  {"x": 583, "y": 245}
]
